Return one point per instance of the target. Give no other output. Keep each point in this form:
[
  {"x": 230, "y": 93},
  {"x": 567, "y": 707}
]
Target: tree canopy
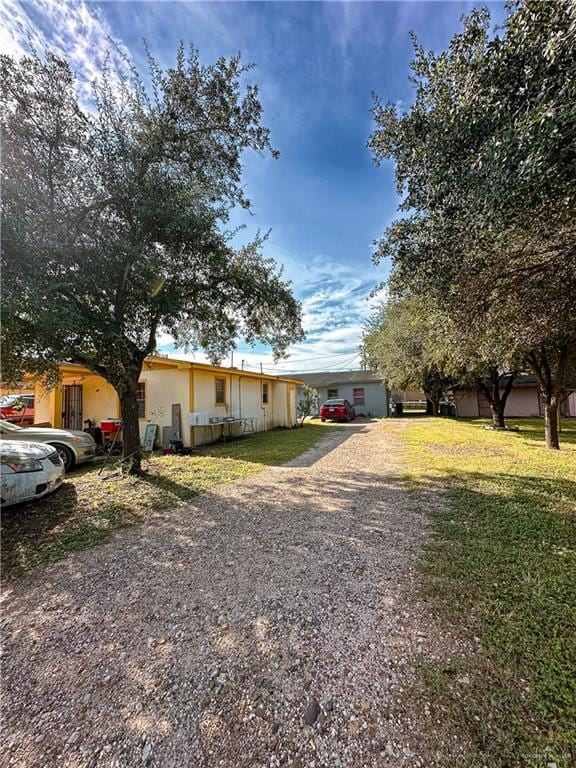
[
  {"x": 486, "y": 163},
  {"x": 403, "y": 341},
  {"x": 114, "y": 220}
]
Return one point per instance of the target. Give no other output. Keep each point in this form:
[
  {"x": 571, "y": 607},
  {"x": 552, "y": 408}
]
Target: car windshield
[
  {"x": 10, "y": 427},
  {"x": 334, "y": 402}
]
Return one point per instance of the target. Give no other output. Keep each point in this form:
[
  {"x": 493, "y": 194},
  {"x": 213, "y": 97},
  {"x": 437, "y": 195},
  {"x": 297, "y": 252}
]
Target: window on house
[
  {"x": 332, "y": 394},
  {"x": 220, "y": 391},
  {"x": 358, "y": 395},
  {"x": 265, "y": 386},
  {"x": 141, "y": 398}
]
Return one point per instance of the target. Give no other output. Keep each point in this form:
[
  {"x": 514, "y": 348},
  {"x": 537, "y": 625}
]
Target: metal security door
[{"x": 72, "y": 406}]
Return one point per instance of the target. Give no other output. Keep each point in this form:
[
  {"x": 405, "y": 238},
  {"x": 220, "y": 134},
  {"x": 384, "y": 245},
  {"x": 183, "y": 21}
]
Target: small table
[{"x": 248, "y": 426}]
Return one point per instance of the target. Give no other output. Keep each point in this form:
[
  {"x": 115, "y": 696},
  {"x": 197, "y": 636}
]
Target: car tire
[
  {"x": 322, "y": 420},
  {"x": 67, "y": 455}
]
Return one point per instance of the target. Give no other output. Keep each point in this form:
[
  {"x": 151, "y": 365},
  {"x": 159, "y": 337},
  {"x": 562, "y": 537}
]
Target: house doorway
[{"x": 72, "y": 406}]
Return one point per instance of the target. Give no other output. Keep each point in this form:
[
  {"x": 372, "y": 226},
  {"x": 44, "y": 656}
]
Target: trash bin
[
  {"x": 398, "y": 409},
  {"x": 443, "y": 409}
]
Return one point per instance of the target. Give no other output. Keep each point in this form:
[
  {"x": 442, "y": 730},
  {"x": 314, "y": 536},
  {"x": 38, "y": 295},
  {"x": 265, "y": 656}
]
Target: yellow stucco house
[{"x": 256, "y": 402}]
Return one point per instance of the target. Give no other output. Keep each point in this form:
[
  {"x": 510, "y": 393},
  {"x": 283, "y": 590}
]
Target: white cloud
[
  {"x": 335, "y": 303},
  {"x": 74, "y": 31}
]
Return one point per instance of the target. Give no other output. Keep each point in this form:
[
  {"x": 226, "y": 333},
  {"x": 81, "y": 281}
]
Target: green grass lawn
[
  {"x": 87, "y": 509},
  {"x": 501, "y": 566}
]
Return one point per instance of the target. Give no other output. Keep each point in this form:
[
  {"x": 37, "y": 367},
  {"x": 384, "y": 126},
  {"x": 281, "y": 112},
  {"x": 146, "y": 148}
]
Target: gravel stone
[
  {"x": 146, "y": 754},
  {"x": 312, "y": 712},
  {"x": 276, "y": 592}
]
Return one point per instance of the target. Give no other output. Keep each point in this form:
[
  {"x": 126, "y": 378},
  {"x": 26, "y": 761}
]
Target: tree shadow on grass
[
  {"x": 567, "y": 435},
  {"x": 27, "y": 522},
  {"x": 51, "y": 528},
  {"x": 532, "y": 428},
  {"x": 501, "y": 563}
]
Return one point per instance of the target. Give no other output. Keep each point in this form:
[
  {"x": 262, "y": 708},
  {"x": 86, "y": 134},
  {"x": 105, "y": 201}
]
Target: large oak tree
[
  {"x": 114, "y": 220},
  {"x": 486, "y": 160}
]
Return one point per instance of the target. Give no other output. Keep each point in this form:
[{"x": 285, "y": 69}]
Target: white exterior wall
[
  {"x": 243, "y": 400},
  {"x": 278, "y": 394},
  {"x": 99, "y": 399},
  {"x": 286, "y": 412},
  {"x": 193, "y": 389},
  {"x": 165, "y": 388},
  {"x": 292, "y": 405},
  {"x": 248, "y": 401}
]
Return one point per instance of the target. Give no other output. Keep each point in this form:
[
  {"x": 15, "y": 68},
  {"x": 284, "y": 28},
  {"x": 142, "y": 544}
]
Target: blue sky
[{"x": 317, "y": 65}]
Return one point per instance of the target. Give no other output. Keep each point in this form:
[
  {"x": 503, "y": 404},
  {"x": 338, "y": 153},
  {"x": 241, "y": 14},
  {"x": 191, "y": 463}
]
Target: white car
[
  {"x": 74, "y": 447},
  {"x": 28, "y": 471}
]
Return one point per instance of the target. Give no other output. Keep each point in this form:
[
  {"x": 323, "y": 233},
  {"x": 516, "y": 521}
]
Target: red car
[
  {"x": 337, "y": 410},
  {"x": 19, "y": 409}
]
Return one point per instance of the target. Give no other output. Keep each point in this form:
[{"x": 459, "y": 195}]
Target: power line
[
  {"x": 256, "y": 367},
  {"x": 345, "y": 366},
  {"x": 317, "y": 357},
  {"x": 349, "y": 361}
]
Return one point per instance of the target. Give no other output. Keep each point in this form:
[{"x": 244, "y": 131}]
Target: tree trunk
[
  {"x": 497, "y": 409},
  {"x": 496, "y": 399},
  {"x": 550, "y": 389},
  {"x": 124, "y": 376},
  {"x": 130, "y": 426},
  {"x": 550, "y": 410},
  {"x": 127, "y": 390},
  {"x": 435, "y": 406}
]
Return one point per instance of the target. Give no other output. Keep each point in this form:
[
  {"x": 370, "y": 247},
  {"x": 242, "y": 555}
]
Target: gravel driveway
[{"x": 267, "y": 623}]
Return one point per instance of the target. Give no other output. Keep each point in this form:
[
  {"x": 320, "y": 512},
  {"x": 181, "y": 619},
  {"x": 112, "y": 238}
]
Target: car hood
[
  {"x": 23, "y": 449},
  {"x": 48, "y": 433}
]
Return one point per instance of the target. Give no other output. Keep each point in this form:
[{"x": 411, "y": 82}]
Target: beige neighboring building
[
  {"x": 523, "y": 401},
  {"x": 263, "y": 402}
]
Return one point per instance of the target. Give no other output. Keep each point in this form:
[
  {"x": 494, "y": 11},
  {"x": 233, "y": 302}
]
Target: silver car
[
  {"x": 74, "y": 447},
  {"x": 28, "y": 471}
]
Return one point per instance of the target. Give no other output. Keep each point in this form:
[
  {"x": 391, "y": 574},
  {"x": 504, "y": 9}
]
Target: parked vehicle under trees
[{"x": 119, "y": 212}]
